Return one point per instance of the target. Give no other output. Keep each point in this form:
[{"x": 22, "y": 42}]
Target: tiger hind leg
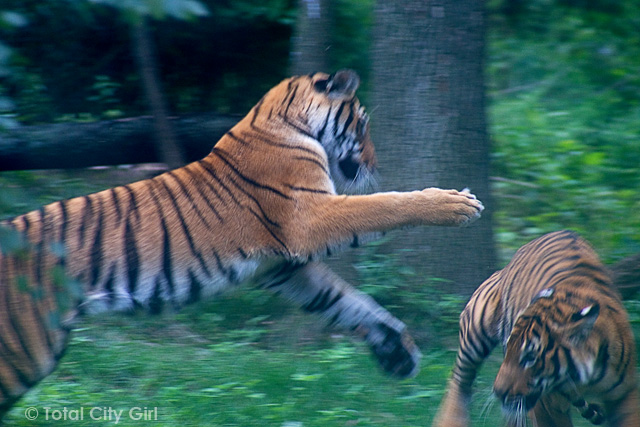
[{"x": 317, "y": 289}]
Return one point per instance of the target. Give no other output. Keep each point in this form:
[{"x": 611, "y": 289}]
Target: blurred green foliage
[
  {"x": 158, "y": 9},
  {"x": 223, "y": 58},
  {"x": 564, "y": 87},
  {"x": 214, "y": 54},
  {"x": 350, "y": 41}
]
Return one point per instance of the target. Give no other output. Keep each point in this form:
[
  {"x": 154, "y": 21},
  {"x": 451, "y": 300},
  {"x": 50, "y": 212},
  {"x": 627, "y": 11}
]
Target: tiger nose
[
  {"x": 505, "y": 394},
  {"x": 500, "y": 393}
]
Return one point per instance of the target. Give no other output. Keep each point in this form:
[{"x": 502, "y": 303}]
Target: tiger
[
  {"x": 280, "y": 190},
  {"x": 565, "y": 334}
]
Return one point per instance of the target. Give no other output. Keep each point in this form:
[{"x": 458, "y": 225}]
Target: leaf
[
  {"x": 159, "y": 9},
  {"x": 421, "y": 394},
  {"x": 594, "y": 159},
  {"x": 13, "y": 19},
  {"x": 306, "y": 377},
  {"x": 11, "y": 241}
]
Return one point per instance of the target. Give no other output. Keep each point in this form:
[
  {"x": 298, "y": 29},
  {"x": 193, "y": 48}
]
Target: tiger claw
[{"x": 476, "y": 204}]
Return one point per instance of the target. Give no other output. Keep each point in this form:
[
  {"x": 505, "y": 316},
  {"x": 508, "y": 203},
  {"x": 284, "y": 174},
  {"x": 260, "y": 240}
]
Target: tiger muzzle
[
  {"x": 516, "y": 402},
  {"x": 513, "y": 390}
]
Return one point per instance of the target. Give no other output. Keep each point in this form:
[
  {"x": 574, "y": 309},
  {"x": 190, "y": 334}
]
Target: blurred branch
[
  {"x": 523, "y": 88},
  {"x": 113, "y": 142},
  {"x": 144, "y": 51},
  {"x": 531, "y": 86},
  {"x": 513, "y": 181},
  {"x": 169, "y": 151}
]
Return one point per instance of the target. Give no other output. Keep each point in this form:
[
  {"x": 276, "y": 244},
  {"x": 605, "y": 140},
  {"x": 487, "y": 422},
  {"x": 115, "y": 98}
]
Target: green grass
[
  {"x": 196, "y": 379},
  {"x": 232, "y": 362}
]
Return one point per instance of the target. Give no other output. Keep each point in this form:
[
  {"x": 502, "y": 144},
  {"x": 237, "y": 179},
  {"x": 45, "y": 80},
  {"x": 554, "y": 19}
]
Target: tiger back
[
  {"x": 261, "y": 208},
  {"x": 566, "y": 336}
]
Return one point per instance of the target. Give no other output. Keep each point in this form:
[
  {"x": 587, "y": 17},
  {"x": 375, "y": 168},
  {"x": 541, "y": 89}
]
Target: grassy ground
[
  {"x": 205, "y": 368},
  {"x": 218, "y": 364}
]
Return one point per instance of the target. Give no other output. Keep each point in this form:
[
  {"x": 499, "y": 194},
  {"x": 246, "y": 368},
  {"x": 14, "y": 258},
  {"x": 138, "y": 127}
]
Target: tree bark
[
  {"x": 113, "y": 142},
  {"x": 310, "y": 41},
  {"x": 429, "y": 126}
]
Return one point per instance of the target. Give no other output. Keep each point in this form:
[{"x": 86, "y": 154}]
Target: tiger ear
[
  {"x": 581, "y": 323},
  {"x": 342, "y": 84},
  {"x": 545, "y": 293}
]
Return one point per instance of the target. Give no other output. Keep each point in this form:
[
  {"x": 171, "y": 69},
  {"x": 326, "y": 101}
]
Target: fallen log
[{"x": 112, "y": 142}]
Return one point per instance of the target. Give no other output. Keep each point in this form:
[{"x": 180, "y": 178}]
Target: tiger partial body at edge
[
  {"x": 566, "y": 337},
  {"x": 260, "y": 208}
]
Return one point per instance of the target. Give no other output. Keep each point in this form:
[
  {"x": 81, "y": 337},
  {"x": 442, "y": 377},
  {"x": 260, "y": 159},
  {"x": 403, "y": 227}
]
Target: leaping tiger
[{"x": 261, "y": 207}]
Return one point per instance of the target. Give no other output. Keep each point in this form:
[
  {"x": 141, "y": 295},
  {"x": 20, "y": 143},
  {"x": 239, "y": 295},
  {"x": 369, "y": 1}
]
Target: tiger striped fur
[
  {"x": 262, "y": 207},
  {"x": 566, "y": 337}
]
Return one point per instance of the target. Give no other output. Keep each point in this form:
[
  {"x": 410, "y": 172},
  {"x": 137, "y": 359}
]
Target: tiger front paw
[
  {"x": 453, "y": 207},
  {"x": 591, "y": 412},
  {"x": 476, "y": 207},
  {"x": 395, "y": 350}
]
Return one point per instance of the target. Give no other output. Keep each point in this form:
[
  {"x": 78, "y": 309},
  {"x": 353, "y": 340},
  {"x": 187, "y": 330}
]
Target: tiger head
[
  {"x": 325, "y": 108},
  {"x": 545, "y": 352}
]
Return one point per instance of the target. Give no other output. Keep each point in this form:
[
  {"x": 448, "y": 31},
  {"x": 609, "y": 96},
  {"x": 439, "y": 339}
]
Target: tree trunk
[
  {"x": 310, "y": 41},
  {"x": 429, "y": 126},
  {"x": 113, "y": 142}
]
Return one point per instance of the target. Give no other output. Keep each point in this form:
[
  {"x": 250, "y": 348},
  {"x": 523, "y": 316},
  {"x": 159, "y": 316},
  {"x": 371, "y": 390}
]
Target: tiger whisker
[{"x": 489, "y": 403}]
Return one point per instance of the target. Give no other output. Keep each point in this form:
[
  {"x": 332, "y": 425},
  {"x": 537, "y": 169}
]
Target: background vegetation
[
  {"x": 564, "y": 87},
  {"x": 563, "y": 79}
]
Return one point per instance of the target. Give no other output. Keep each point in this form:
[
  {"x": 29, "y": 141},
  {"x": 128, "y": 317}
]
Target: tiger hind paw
[{"x": 396, "y": 352}]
